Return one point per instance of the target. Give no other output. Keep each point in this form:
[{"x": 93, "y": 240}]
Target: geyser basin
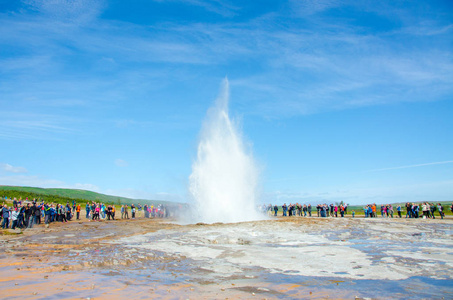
[
  {"x": 224, "y": 175},
  {"x": 399, "y": 257},
  {"x": 355, "y": 249}
]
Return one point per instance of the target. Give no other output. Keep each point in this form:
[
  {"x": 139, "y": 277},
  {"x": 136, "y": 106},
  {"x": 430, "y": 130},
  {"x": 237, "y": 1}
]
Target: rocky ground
[{"x": 273, "y": 259}]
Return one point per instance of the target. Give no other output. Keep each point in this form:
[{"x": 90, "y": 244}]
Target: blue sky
[{"x": 339, "y": 100}]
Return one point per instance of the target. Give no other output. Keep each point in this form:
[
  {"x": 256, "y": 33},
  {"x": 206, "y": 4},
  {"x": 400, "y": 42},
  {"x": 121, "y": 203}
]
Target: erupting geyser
[{"x": 224, "y": 176}]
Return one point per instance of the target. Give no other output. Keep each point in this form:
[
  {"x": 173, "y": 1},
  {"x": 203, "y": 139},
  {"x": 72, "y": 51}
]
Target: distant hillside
[{"x": 65, "y": 195}]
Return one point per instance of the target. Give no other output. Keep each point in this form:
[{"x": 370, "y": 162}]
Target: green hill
[{"x": 68, "y": 195}]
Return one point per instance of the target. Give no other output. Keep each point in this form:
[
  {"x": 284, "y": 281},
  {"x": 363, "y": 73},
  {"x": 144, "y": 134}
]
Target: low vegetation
[{"x": 68, "y": 195}]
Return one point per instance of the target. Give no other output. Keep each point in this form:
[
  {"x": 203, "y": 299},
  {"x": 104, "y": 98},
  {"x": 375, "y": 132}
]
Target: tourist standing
[
  {"x": 109, "y": 211},
  {"x": 78, "y": 211},
  {"x": 133, "y": 211},
  {"x": 145, "y": 210},
  {"x": 324, "y": 210},
  {"x": 126, "y": 212},
  {"x": 38, "y": 213},
  {"x": 416, "y": 210},
  {"x": 269, "y": 210},
  {"x": 441, "y": 210},
  {"x": 46, "y": 214},
  {"x": 31, "y": 219},
  {"x": 5, "y": 215},
  {"x": 425, "y": 210},
  {"x": 62, "y": 214},
  {"x": 88, "y": 209},
  {"x": 97, "y": 211},
  {"x": 68, "y": 212},
  {"x": 26, "y": 215},
  {"x": 14, "y": 217},
  {"x": 433, "y": 210},
  {"x": 53, "y": 212}
]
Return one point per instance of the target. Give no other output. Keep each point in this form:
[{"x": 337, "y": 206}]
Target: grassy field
[{"x": 68, "y": 195}]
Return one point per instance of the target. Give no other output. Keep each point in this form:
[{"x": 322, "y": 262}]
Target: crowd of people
[
  {"x": 428, "y": 210},
  {"x": 413, "y": 210},
  {"x": 149, "y": 211},
  {"x": 26, "y": 213},
  {"x": 305, "y": 210}
]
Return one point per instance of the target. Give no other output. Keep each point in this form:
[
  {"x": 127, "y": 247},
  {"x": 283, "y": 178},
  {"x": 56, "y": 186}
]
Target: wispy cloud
[
  {"x": 413, "y": 166},
  {"x": 121, "y": 163},
  {"x": 19, "y": 125},
  {"x": 39, "y": 181},
  {"x": 309, "y": 7},
  {"x": 221, "y": 7},
  {"x": 31, "y": 180},
  {"x": 356, "y": 68},
  {"x": 355, "y": 194},
  {"x": 79, "y": 11},
  {"x": 9, "y": 168},
  {"x": 86, "y": 186},
  {"x": 140, "y": 194},
  {"x": 362, "y": 71}
]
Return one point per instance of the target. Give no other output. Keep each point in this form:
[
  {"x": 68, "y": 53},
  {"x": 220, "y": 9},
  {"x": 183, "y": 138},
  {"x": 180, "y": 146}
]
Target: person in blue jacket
[
  {"x": 88, "y": 209},
  {"x": 5, "y": 215},
  {"x": 53, "y": 213},
  {"x": 46, "y": 214}
]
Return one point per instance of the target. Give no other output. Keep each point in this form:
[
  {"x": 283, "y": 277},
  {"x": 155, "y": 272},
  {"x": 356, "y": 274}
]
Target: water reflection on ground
[{"x": 360, "y": 257}]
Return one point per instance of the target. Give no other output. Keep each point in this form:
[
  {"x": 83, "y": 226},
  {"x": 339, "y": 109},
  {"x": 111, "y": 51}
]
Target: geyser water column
[{"x": 224, "y": 176}]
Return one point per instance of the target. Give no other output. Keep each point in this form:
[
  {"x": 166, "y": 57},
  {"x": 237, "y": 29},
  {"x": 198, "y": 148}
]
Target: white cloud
[
  {"x": 221, "y": 7},
  {"x": 121, "y": 163},
  {"x": 37, "y": 181},
  {"x": 357, "y": 69},
  {"x": 309, "y": 7},
  {"x": 77, "y": 11},
  {"x": 86, "y": 186},
  {"x": 31, "y": 180},
  {"x": 140, "y": 194},
  {"x": 10, "y": 168},
  {"x": 19, "y": 125},
  {"x": 375, "y": 193},
  {"x": 413, "y": 166}
]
